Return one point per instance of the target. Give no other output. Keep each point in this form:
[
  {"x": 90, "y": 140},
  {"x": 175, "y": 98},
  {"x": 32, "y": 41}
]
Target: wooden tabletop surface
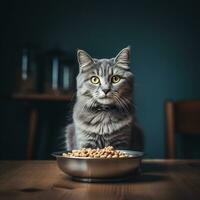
[{"x": 160, "y": 179}]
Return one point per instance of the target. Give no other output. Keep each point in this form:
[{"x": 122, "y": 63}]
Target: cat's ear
[
  {"x": 84, "y": 59},
  {"x": 123, "y": 58}
]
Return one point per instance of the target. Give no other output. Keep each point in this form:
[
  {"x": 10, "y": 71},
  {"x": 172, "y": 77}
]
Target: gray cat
[{"x": 103, "y": 114}]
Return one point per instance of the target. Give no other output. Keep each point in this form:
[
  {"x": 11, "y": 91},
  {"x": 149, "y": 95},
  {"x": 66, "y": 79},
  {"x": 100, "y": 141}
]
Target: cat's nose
[{"x": 106, "y": 90}]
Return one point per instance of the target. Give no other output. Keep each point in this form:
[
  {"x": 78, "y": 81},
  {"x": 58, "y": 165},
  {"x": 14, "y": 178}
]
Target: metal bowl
[{"x": 86, "y": 169}]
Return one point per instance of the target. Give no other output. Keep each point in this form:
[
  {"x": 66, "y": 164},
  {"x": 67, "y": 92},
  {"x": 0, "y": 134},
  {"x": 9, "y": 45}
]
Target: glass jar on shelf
[
  {"x": 67, "y": 76},
  {"x": 58, "y": 74},
  {"x": 27, "y": 72}
]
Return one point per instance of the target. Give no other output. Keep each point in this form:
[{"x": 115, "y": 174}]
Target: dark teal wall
[{"x": 164, "y": 37}]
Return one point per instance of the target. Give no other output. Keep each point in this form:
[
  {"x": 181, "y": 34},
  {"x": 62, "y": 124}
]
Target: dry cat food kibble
[{"x": 107, "y": 152}]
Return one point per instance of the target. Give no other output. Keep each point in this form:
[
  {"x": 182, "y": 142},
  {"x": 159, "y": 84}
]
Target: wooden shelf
[
  {"x": 43, "y": 97},
  {"x": 34, "y": 113}
]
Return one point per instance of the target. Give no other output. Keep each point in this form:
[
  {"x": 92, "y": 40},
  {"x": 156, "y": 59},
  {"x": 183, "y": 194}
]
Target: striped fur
[{"x": 99, "y": 121}]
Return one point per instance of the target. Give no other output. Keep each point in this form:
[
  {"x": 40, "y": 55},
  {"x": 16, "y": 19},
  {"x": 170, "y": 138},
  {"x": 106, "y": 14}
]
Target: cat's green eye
[
  {"x": 95, "y": 80},
  {"x": 115, "y": 79}
]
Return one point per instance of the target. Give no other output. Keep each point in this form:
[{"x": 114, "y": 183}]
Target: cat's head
[{"x": 105, "y": 81}]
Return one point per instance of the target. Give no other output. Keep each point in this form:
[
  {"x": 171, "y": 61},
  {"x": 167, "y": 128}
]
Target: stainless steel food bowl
[{"x": 99, "y": 168}]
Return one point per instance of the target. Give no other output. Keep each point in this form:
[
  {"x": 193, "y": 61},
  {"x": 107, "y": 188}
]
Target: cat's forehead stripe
[
  {"x": 104, "y": 68},
  {"x": 110, "y": 70},
  {"x": 97, "y": 71},
  {"x": 100, "y": 71}
]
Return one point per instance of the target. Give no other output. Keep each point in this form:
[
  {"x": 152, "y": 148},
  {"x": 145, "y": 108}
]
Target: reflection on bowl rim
[{"x": 139, "y": 154}]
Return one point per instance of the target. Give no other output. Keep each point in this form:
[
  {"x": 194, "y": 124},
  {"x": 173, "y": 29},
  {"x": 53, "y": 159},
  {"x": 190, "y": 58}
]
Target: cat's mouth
[
  {"x": 105, "y": 100},
  {"x": 104, "y": 97}
]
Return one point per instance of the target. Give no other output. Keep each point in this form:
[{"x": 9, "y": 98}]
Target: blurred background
[{"x": 38, "y": 67}]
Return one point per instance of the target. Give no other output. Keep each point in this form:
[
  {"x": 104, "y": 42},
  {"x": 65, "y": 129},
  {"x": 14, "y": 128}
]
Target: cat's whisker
[
  {"x": 121, "y": 107},
  {"x": 63, "y": 144},
  {"x": 118, "y": 100},
  {"x": 125, "y": 103}
]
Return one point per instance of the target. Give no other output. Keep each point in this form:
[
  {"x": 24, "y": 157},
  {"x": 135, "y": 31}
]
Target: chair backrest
[{"x": 181, "y": 117}]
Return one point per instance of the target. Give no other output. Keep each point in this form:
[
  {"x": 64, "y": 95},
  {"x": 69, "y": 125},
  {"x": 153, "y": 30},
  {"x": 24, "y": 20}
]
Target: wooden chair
[{"x": 182, "y": 117}]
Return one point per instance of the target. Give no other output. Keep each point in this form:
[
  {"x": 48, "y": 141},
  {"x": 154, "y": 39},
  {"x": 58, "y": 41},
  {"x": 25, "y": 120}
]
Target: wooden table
[{"x": 160, "y": 179}]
